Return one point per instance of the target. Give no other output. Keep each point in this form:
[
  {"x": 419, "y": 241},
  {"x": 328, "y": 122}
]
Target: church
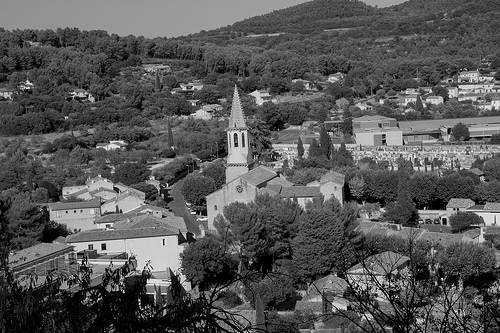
[{"x": 244, "y": 180}]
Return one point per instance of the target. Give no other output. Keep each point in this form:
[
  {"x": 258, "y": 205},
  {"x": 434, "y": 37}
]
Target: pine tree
[
  {"x": 170, "y": 137},
  {"x": 300, "y": 149}
]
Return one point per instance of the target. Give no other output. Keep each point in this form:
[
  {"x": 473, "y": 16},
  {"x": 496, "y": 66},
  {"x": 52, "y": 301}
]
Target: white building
[{"x": 157, "y": 241}]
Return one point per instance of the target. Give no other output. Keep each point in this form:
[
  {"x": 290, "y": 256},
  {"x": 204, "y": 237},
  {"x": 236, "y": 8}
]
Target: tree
[
  {"x": 403, "y": 211},
  {"x": 217, "y": 172},
  {"x": 325, "y": 143},
  {"x": 423, "y": 188},
  {"x": 300, "y": 148},
  {"x": 206, "y": 262},
  {"x": 491, "y": 169},
  {"x": 466, "y": 260},
  {"x": 131, "y": 173},
  {"x": 461, "y": 221},
  {"x": 149, "y": 189},
  {"x": 322, "y": 244},
  {"x": 460, "y": 132},
  {"x": 314, "y": 149},
  {"x": 196, "y": 188},
  {"x": 441, "y": 91}
]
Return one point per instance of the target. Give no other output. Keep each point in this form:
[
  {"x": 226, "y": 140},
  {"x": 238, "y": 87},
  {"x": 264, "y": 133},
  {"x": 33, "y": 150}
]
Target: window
[
  {"x": 215, "y": 207},
  {"x": 103, "y": 247},
  {"x": 81, "y": 210},
  {"x": 235, "y": 140},
  {"x": 58, "y": 214},
  {"x": 243, "y": 140},
  {"x": 108, "y": 226},
  {"x": 91, "y": 247},
  {"x": 163, "y": 242},
  {"x": 335, "y": 188},
  {"x": 74, "y": 211},
  {"x": 66, "y": 212}
]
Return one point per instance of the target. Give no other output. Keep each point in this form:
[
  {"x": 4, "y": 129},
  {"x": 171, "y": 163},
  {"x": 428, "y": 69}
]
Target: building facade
[{"x": 78, "y": 216}]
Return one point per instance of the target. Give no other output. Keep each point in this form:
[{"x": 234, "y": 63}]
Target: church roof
[
  {"x": 237, "y": 118},
  {"x": 300, "y": 192},
  {"x": 259, "y": 175}
]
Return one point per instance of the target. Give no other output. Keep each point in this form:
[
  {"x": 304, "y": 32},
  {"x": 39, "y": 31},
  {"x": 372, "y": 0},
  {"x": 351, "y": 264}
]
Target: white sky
[{"x": 149, "y": 18}]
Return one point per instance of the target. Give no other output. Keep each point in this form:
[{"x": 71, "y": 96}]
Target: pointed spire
[{"x": 237, "y": 118}]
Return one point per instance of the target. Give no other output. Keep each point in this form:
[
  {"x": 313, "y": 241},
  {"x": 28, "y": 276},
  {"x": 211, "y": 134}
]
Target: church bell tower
[{"x": 239, "y": 157}]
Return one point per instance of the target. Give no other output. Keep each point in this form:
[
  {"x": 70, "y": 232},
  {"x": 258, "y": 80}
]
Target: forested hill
[
  {"x": 309, "y": 16},
  {"x": 320, "y": 15}
]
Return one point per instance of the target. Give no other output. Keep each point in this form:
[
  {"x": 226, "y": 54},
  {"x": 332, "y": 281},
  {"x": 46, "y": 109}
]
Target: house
[
  {"x": 112, "y": 145},
  {"x": 331, "y": 184},
  {"x": 154, "y": 241},
  {"x": 495, "y": 103},
  {"x": 108, "y": 221},
  {"x": 204, "y": 113},
  {"x": 123, "y": 202},
  {"x": 489, "y": 213},
  {"x": 97, "y": 187},
  {"x": 121, "y": 188},
  {"x": 376, "y": 271},
  {"x": 434, "y": 100},
  {"x": 262, "y": 96},
  {"x": 6, "y": 93},
  {"x": 307, "y": 84},
  {"x": 325, "y": 295},
  {"x": 44, "y": 259},
  {"x": 79, "y": 215},
  {"x": 377, "y": 131},
  {"x": 193, "y": 86},
  {"x": 458, "y": 205},
  {"x": 412, "y": 98},
  {"x": 332, "y": 78},
  {"x": 26, "y": 86},
  {"x": 81, "y": 95},
  {"x": 468, "y": 76},
  {"x": 452, "y": 92},
  {"x": 478, "y": 173}
]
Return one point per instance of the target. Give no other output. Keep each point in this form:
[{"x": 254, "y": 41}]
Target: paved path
[{"x": 178, "y": 206}]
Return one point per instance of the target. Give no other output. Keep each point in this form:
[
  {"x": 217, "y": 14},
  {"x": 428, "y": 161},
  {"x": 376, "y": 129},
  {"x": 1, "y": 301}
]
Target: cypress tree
[
  {"x": 314, "y": 150},
  {"x": 170, "y": 137},
  {"x": 325, "y": 143},
  {"x": 300, "y": 148},
  {"x": 157, "y": 81}
]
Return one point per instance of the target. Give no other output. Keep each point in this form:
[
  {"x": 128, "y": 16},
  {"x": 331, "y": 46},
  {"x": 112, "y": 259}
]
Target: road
[{"x": 178, "y": 206}]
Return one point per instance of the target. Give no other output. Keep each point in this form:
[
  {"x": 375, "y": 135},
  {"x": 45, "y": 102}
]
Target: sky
[{"x": 148, "y": 18}]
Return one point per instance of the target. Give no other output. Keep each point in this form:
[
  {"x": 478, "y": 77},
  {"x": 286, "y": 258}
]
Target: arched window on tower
[
  {"x": 243, "y": 140},
  {"x": 235, "y": 140}
]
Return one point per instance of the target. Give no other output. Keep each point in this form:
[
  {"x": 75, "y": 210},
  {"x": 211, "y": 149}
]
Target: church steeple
[
  {"x": 237, "y": 118},
  {"x": 239, "y": 157}
]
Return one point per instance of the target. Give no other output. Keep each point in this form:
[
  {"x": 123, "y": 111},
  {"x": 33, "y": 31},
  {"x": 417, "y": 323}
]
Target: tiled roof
[
  {"x": 36, "y": 252},
  {"x": 259, "y": 175},
  {"x": 382, "y": 263},
  {"x": 73, "y": 189},
  {"x": 492, "y": 206},
  {"x": 460, "y": 203},
  {"x": 142, "y": 226},
  {"x": 99, "y": 235},
  {"x": 280, "y": 181},
  {"x": 94, "y": 203},
  {"x": 109, "y": 218},
  {"x": 333, "y": 176},
  {"x": 330, "y": 283},
  {"x": 266, "y": 190},
  {"x": 300, "y": 192},
  {"x": 477, "y": 172},
  {"x": 273, "y": 188}
]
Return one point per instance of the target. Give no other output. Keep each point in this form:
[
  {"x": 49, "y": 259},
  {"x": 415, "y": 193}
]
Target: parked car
[{"x": 202, "y": 219}]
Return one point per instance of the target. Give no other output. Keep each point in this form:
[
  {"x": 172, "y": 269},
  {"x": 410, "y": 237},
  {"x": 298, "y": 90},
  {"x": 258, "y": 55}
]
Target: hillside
[{"x": 309, "y": 16}]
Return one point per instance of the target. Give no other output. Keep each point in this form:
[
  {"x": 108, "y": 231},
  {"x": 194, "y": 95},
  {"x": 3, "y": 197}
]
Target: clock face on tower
[{"x": 239, "y": 189}]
